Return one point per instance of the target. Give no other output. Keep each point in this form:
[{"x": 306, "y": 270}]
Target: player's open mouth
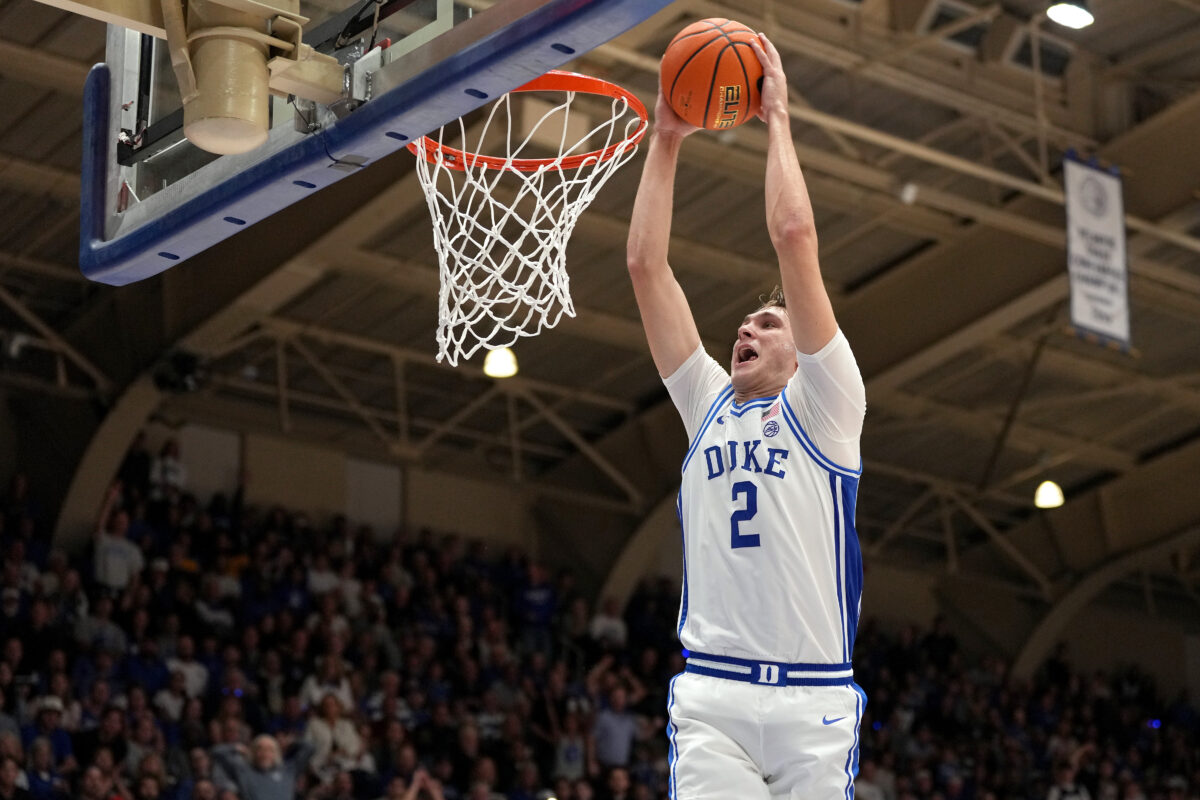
[{"x": 746, "y": 353}]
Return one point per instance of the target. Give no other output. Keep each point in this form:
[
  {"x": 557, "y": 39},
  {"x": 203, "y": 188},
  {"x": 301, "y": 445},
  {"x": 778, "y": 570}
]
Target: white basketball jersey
[{"x": 771, "y": 561}]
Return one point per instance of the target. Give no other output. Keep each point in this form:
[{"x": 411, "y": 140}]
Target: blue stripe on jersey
[
  {"x": 854, "y": 572},
  {"x": 793, "y": 421},
  {"x": 672, "y": 748},
  {"x": 739, "y": 411},
  {"x": 852, "y": 755},
  {"x": 834, "y": 488},
  {"x": 717, "y": 405},
  {"x": 683, "y": 537}
]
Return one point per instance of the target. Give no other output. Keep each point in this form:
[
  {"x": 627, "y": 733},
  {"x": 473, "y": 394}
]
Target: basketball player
[{"x": 767, "y": 707}]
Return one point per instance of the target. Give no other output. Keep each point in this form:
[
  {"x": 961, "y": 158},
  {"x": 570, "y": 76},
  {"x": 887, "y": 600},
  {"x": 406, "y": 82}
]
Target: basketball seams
[
  {"x": 683, "y": 68},
  {"x": 681, "y": 36},
  {"x": 745, "y": 79},
  {"x": 717, "y": 37},
  {"x": 712, "y": 79},
  {"x": 744, "y": 102}
]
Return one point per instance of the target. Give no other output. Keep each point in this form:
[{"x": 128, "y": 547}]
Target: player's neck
[{"x": 745, "y": 394}]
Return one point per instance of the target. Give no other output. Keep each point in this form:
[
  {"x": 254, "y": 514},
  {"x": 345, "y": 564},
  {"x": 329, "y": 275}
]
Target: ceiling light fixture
[
  {"x": 1048, "y": 495},
  {"x": 1070, "y": 13},
  {"x": 16, "y": 344},
  {"x": 500, "y": 363}
]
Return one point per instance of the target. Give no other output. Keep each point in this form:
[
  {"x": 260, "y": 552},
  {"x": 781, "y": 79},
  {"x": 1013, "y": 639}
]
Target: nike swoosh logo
[
  {"x": 828, "y": 721},
  {"x": 721, "y": 420}
]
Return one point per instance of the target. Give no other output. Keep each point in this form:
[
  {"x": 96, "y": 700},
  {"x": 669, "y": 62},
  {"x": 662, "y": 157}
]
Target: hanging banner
[{"x": 1096, "y": 252}]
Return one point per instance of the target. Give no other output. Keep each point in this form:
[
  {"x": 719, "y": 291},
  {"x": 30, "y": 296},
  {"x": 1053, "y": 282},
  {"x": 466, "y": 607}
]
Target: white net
[{"x": 501, "y": 224}]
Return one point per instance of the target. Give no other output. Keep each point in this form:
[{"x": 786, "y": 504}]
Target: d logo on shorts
[{"x": 768, "y": 674}]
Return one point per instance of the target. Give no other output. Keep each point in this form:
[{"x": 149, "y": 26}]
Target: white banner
[{"x": 1096, "y": 252}]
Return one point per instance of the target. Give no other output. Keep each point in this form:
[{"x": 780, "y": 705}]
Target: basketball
[{"x": 710, "y": 75}]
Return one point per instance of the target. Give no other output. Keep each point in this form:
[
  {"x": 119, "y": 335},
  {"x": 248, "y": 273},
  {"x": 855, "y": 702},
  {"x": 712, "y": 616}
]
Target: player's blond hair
[{"x": 775, "y": 298}]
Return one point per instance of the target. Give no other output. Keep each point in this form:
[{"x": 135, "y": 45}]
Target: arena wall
[
  {"x": 323, "y": 482},
  {"x": 473, "y": 508},
  {"x": 1111, "y": 639}
]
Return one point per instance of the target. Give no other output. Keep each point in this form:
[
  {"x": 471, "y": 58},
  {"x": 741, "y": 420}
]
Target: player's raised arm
[
  {"x": 666, "y": 317},
  {"x": 790, "y": 215}
]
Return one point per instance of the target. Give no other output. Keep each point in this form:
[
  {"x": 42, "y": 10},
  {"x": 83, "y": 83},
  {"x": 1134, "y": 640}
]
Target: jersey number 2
[{"x": 736, "y": 537}]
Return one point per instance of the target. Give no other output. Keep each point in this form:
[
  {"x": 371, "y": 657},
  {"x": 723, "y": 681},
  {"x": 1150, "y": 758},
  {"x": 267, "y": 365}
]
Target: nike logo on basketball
[{"x": 828, "y": 721}]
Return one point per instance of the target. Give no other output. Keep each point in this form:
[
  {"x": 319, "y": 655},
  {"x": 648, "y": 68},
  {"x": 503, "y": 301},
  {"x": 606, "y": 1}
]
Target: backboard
[{"x": 151, "y": 199}]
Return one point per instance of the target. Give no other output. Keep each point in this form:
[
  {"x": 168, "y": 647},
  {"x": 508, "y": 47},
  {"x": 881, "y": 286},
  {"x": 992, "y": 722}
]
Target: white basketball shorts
[{"x": 734, "y": 740}]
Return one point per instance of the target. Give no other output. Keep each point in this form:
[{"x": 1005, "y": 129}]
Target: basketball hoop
[{"x": 502, "y": 249}]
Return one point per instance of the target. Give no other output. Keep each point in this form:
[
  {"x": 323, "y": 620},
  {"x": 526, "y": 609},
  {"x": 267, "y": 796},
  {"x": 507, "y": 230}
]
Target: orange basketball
[{"x": 710, "y": 75}]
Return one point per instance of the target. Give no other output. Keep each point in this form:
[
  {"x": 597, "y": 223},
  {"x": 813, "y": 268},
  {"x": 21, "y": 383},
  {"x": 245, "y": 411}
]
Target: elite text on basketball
[{"x": 727, "y": 114}]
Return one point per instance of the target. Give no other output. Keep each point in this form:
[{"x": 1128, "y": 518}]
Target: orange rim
[{"x": 554, "y": 80}]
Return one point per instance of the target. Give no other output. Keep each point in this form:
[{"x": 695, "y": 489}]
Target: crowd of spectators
[
  {"x": 215, "y": 651},
  {"x": 939, "y": 725}
]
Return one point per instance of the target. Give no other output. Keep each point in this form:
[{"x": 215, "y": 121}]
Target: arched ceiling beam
[
  {"x": 1051, "y": 626},
  {"x": 45, "y": 70}
]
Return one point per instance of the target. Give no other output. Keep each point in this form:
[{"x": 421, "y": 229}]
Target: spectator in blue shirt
[
  {"x": 145, "y": 668},
  {"x": 45, "y": 781},
  {"x": 47, "y": 723},
  {"x": 537, "y": 603},
  {"x": 613, "y": 731},
  {"x": 261, "y": 771}
]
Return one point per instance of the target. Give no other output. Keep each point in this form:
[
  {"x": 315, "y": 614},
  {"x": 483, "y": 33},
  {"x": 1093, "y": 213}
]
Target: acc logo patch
[{"x": 771, "y": 428}]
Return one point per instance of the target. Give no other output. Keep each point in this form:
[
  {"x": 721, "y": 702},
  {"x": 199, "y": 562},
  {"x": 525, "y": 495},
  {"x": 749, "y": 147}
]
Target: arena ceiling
[{"x": 932, "y": 147}]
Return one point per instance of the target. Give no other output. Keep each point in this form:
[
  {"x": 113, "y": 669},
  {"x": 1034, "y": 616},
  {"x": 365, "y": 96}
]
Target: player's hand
[
  {"x": 774, "y": 86},
  {"x": 666, "y": 121}
]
